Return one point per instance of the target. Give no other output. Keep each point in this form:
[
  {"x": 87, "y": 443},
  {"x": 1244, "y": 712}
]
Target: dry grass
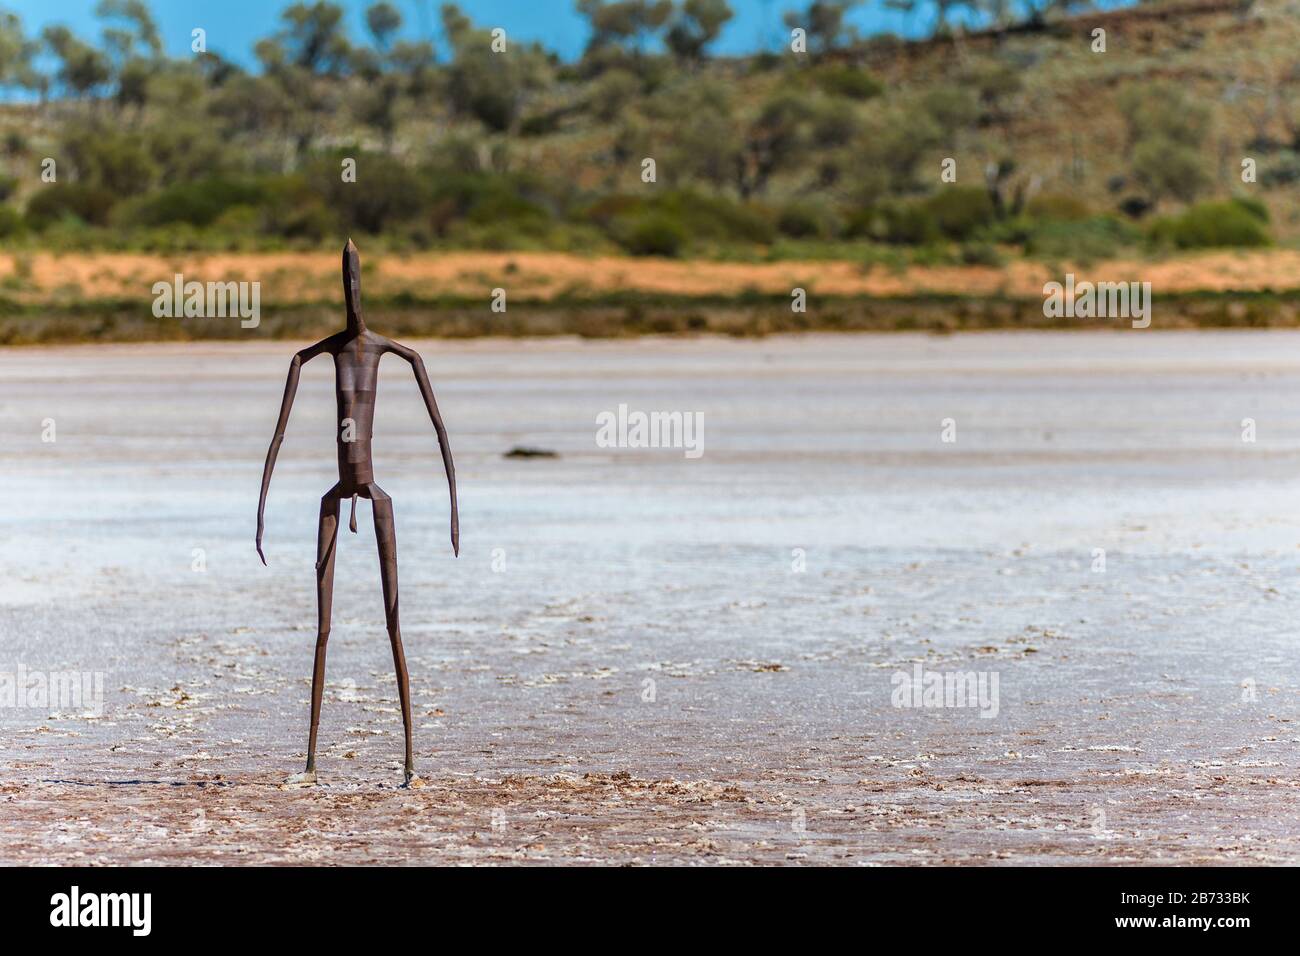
[{"x": 289, "y": 279}]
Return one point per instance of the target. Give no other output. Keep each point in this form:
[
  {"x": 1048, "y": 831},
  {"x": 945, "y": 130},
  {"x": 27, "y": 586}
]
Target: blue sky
[{"x": 234, "y": 25}]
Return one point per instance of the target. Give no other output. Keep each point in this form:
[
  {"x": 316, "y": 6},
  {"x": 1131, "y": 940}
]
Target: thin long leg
[
  {"x": 326, "y": 540},
  {"x": 386, "y": 536}
]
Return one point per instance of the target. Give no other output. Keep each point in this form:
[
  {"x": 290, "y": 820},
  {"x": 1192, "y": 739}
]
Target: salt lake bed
[{"x": 644, "y": 655}]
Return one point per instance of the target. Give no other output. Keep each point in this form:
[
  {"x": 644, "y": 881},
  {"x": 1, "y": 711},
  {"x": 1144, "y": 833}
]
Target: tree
[
  {"x": 383, "y": 20},
  {"x": 254, "y": 105},
  {"x": 771, "y": 142},
  {"x": 417, "y": 63},
  {"x": 624, "y": 23},
  {"x": 313, "y": 37},
  {"x": 696, "y": 24},
  {"x": 16, "y": 54},
  {"x": 132, "y": 31},
  {"x": 1166, "y": 132},
  {"x": 824, "y": 23},
  {"x": 134, "y": 46},
  {"x": 82, "y": 68},
  {"x": 491, "y": 87}
]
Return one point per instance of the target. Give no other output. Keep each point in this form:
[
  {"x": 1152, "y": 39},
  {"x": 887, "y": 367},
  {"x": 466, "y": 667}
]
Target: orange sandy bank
[{"x": 295, "y": 277}]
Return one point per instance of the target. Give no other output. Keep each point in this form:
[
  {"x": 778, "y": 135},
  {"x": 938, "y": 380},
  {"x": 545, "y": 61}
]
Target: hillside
[
  {"x": 1057, "y": 150},
  {"x": 663, "y": 191}
]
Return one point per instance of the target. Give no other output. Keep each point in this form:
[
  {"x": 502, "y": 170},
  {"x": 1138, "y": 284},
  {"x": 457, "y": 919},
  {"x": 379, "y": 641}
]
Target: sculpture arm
[
  {"x": 286, "y": 406},
  {"x": 430, "y": 403}
]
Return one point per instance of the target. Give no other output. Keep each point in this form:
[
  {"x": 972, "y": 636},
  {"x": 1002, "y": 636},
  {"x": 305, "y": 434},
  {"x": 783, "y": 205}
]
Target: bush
[
  {"x": 11, "y": 222},
  {"x": 198, "y": 203},
  {"x": 541, "y": 124},
  {"x": 805, "y": 220},
  {"x": 898, "y": 221},
  {"x": 1082, "y": 240},
  {"x": 655, "y": 234},
  {"x": 610, "y": 95},
  {"x": 483, "y": 199},
  {"x": 296, "y": 211},
  {"x": 1167, "y": 168},
  {"x": 1057, "y": 206},
  {"x": 55, "y": 201},
  {"x": 849, "y": 82},
  {"x": 958, "y": 213},
  {"x": 1253, "y": 206},
  {"x": 961, "y": 211},
  {"x": 1282, "y": 171},
  {"x": 716, "y": 217},
  {"x": 1207, "y": 225},
  {"x": 699, "y": 216},
  {"x": 981, "y": 254},
  {"x": 381, "y": 196}
]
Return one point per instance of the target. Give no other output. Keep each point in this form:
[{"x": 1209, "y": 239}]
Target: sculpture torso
[
  {"x": 356, "y": 377},
  {"x": 356, "y": 352}
]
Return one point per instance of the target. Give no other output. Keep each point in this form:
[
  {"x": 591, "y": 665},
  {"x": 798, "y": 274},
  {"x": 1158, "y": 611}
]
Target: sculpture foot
[{"x": 305, "y": 779}]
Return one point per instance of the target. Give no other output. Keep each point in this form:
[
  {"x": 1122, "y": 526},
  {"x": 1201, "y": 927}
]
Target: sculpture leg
[
  {"x": 326, "y": 541},
  {"x": 386, "y": 536}
]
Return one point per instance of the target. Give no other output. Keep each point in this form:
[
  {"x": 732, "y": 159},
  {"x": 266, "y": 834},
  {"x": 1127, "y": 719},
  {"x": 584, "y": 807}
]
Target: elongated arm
[
  {"x": 286, "y": 406},
  {"x": 426, "y": 390}
]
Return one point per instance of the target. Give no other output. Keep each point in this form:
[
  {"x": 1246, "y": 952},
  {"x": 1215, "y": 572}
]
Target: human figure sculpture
[{"x": 356, "y": 351}]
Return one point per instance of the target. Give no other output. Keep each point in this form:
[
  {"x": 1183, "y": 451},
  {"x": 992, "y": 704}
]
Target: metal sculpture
[{"x": 356, "y": 351}]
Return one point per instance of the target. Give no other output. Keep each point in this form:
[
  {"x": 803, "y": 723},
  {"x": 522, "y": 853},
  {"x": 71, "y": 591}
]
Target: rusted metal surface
[{"x": 356, "y": 352}]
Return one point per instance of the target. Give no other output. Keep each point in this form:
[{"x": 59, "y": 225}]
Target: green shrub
[
  {"x": 87, "y": 203},
  {"x": 961, "y": 211},
  {"x": 702, "y": 217},
  {"x": 239, "y": 221},
  {"x": 951, "y": 106},
  {"x": 610, "y": 95},
  {"x": 655, "y": 234},
  {"x": 805, "y": 220},
  {"x": 1082, "y": 240},
  {"x": 198, "y": 203},
  {"x": 1057, "y": 206},
  {"x": 1168, "y": 168},
  {"x": 11, "y": 222},
  {"x": 485, "y": 199},
  {"x": 717, "y": 217},
  {"x": 850, "y": 82},
  {"x": 296, "y": 211},
  {"x": 902, "y": 222},
  {"x": 382, "y": 195},
  {"x": 1284, "y": 170},
  {"x": 541, "y": 124},
  {"x": 1253, "y": 206},
  {"x": 1209, "y": 225},
  {"x": 958, "y": 213},
  {"x": 981, "y": 254}
]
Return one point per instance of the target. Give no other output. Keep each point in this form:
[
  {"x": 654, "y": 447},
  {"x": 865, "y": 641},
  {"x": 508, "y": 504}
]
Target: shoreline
[
  {"x": 635, "y": 316},
  {"x": 49, "y": 298}
]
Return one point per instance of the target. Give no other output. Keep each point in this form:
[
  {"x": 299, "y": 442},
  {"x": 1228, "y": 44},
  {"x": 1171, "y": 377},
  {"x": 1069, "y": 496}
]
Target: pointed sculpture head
[{"x": 352, "y": 287}]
